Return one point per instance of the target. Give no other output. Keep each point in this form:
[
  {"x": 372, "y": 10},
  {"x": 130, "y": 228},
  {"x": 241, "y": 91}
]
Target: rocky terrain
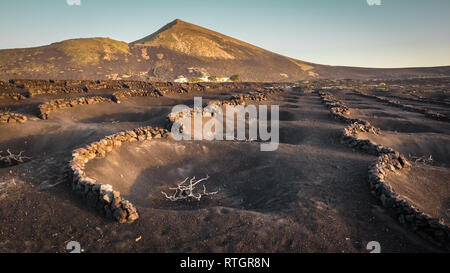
[
  {"x": 178, "y": 49},
  {"x": 358, "y": 161}
]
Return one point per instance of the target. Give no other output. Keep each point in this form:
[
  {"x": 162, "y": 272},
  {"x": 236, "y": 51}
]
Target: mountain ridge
[
  {"x": 178, "y": 49},
  {"x": 182, "y": 24}
]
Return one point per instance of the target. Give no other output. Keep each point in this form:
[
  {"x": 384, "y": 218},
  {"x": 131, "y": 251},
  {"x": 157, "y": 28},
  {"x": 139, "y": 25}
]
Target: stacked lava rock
[
  {"x": 254, "y": 96},
  {"x": 428, "y": 113},
  {"x": 102, "y": 196},
  {"x": 388, "y": 161},
  {"x": 138, "y": 85},
  {"x": 13, "y": 96},
  {"x": 117, "y": 96},
  {"x": 403, "y": 210},
  {"x": 170, "y": 89},
  {"x": 46, "y": 108},
  {"x": 235, "y": 100},
  {"x": 55, "y": 89},
  {"x": 10, "y": 117},
  {"x": 192, "y": 87},
  {"x": 338, "y": 109}
]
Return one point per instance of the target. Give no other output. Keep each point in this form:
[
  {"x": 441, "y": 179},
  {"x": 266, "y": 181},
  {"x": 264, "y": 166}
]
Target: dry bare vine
[
  {"x": 183, "y": 192},
  {"x": 423, "y": 159},
  {"x": 12, "y": 159}
]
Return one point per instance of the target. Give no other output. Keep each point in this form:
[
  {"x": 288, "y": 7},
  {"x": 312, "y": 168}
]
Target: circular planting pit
[
  {"x": 292, "y": 100},
  {"x": 243, "y": 176},
  {"x": 287, "y": 116},
  {"x": 132, "y": 116},
  {"x": 293, "y": 134},
  {"x": 427, "y": 188},
  {"x": 290, "y": 106},
  {"x": 109, "y": 113},
  {"x": 416, "y": 145}
]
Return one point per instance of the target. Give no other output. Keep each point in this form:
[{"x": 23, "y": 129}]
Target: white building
[
  {"x": 181, "y": 79},
  {"x": 223, "y": 79}
]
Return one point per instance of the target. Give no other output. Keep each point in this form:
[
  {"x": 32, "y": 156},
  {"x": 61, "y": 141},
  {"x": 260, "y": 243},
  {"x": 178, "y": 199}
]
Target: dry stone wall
[
  {"x": 428, "y": 113},
  {"x": 420, "y": 99},
  {"x": 52, "y": 105},
  {"x": 102, "y": 196},
  {"x": 120, "y": 95},
  {"x": 12, "y": 96},
  {"x": 10, "y": 117},
  {"x": 254, "y": 96},
  {"x": 52, "y": 90},
  {"x": 389, "y": 161}
]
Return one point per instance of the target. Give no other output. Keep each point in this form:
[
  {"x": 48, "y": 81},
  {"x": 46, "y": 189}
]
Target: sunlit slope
[{"x": 177, "y": 49}]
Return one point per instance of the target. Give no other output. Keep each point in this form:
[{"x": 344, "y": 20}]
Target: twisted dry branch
[
  {"x": 12, "y": 159},
  {"x": 183, "y": 192},
  {"x": 422, "y": 159}
]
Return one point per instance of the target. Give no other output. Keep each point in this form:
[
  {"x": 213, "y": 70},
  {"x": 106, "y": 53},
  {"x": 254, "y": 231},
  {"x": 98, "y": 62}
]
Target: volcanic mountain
[{"x": 177, "y": 49}]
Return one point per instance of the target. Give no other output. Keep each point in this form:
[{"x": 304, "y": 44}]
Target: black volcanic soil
[
  {"x": 311, "y": 195},
  {"x": 427, "y": 187},
  {"x": 425, "y": 141}
]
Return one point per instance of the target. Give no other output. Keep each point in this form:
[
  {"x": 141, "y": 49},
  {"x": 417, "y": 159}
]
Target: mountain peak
[
  {"x": 175, "y": 23},
  {"x": 194, "y": 40},
  {"x": 178, "y": 21}
]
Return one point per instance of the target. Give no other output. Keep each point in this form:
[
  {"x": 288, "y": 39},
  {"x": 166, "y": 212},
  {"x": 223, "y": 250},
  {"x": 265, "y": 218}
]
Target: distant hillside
[{"x": 177, "y": 49}]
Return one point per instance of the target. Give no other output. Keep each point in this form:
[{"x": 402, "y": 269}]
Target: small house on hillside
[
  {"x": 223, "y": 79},
  {"x": 181, "y": 79}
]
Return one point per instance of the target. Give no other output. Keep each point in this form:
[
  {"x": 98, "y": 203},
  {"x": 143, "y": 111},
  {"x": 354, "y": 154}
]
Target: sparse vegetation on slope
[
  {"x": 91, "y": 51},
  {"x": 234, "y": 78}
]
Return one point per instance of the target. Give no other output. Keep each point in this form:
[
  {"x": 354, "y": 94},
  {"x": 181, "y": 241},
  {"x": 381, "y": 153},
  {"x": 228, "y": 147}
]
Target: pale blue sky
[{"x": 398, "y": 33}]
